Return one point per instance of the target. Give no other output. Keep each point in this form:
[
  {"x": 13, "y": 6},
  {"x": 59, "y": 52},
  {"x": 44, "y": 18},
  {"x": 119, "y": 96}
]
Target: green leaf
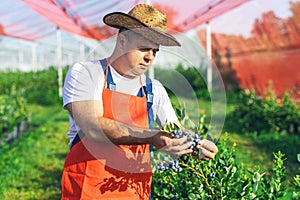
[
  {"x": 222, "y": 161},
  {"x": 298, "y": 157},
  {"x": 192, "y": 196}
]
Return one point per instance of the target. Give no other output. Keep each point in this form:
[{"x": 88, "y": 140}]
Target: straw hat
[{"x": 145, "y": 20}]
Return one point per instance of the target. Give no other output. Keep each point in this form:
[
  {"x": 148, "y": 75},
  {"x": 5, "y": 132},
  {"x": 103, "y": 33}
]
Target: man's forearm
[
  {"x": 107, "y": 130},
  {"x": 88, "y": 116}
]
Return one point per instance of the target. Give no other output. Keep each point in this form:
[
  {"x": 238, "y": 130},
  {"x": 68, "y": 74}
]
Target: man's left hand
[{"x": 208, "y": 149}]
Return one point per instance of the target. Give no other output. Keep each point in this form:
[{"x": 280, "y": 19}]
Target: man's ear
[{"x": 121, "y": 41}]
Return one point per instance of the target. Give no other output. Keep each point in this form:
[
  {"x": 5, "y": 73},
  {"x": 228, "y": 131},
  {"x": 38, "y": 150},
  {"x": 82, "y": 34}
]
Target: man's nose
[{"x": 150, "y": 55}]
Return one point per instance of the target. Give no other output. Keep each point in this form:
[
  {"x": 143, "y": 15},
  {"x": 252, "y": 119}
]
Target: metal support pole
[
  {"x": 59, "y": 61},
  {"x": 209, "y": 54}
]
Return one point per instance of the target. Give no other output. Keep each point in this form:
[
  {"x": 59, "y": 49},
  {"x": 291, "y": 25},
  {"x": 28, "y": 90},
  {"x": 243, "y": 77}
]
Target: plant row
[
  {"x": 253, "y": 113},
  {"x": 40, "y": 87},
  {"x": 13, "y": 111}
]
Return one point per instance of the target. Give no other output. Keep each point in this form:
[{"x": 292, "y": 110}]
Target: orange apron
[{"x": 107, "y": 171}]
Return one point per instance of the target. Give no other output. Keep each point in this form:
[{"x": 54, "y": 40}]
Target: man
[{"x": 111, "y": 104}]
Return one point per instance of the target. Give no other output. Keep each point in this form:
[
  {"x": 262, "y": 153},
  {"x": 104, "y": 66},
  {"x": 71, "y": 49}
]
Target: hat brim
[{"x": 122, "y": 20}]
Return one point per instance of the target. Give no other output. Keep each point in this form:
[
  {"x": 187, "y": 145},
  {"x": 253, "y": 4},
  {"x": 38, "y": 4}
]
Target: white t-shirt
[{"x": 85, "y": 81}]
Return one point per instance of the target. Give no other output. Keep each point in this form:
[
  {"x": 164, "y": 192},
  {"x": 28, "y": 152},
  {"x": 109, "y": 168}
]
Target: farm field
[{"x": 31, "y": 167}]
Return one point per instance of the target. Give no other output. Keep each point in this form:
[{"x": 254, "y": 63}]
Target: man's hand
[
  {"x": 208, "y": 149},
  {"x": 180, "y": 146}
]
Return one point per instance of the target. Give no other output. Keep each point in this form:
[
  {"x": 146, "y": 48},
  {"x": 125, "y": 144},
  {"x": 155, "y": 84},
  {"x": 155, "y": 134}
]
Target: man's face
[{"x": 139, "y": 55}]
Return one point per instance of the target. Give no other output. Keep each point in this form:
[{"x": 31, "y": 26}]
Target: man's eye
[
  {"x": 155, "y": 50},
  {"x": 144, "y": 49},
  {"x": 149, "y": 49}
]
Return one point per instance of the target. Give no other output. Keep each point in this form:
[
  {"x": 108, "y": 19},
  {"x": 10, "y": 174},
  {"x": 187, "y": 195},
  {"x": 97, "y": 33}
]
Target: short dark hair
[
  {"x": 121, "y": 30},
  {"x": 129, "y": 34}
]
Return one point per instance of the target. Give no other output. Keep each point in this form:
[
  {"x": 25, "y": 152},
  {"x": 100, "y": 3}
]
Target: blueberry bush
[
  {"x": 189, "y": 177},
  {"x": 38, "y": 87},
  {"x": 253, "y": 113},
  {"x": 13, "y": 110}
]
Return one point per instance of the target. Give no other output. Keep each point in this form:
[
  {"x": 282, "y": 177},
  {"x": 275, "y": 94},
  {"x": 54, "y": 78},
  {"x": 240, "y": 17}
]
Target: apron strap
[
  {"x": 109, "y": 80},
  {"x": 149, "y": 96}
]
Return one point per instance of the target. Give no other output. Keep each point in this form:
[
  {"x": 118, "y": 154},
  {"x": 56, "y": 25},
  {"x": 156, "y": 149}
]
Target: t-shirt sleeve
[
  {"x": 162, "y": 105},
  {"x": 83, "y": 82}
]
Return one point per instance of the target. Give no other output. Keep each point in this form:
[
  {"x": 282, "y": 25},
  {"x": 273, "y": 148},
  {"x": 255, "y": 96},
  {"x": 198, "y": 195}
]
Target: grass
[{"x": 31, "y": 167}]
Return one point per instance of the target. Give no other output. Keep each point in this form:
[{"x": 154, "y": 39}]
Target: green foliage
[
  {"x": 220, "y": 178},
  {"x": 13, "y": 110},
  {"x": 296, "y": 193},
  {"x": 274, "y": 187},
  {"x": 39, "y": 87},
  {"x": 255, "y": 114}
]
